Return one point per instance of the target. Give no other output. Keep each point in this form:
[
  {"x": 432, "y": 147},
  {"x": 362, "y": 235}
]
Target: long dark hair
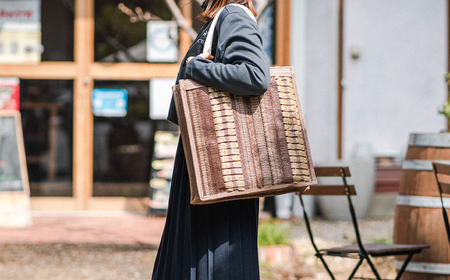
[{"x": 213, "y": 6}]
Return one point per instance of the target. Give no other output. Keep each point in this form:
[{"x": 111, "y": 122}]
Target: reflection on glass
[
  {"x": 46, "y": 107},
  {"x": 266, "y": 25},
  {"x": 123, "y": 146},
  {"x": 57, "y": 19},
  {"x": 120, "y": 37}
]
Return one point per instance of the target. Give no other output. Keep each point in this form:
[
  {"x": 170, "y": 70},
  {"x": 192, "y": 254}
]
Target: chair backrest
[
  {"x": 442, "y": 174},
  {"x": 336, "y": 189}
]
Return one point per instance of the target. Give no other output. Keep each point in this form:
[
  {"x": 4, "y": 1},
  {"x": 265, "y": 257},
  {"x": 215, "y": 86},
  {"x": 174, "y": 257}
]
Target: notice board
[{"x": 13, "y": 169}]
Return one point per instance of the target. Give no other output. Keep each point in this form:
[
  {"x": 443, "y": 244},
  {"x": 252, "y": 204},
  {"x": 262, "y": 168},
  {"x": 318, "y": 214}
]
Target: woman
[{"x": 215, "y": 241}]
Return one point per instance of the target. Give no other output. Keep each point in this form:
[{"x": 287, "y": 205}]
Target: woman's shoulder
[
  {"x": 233, "y": 9},
  {"x": 233, "y": 12}
]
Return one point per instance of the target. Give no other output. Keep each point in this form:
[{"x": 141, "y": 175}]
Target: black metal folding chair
[
  {"x": 359, "y": 251},
  {"x": 442, "y": 173}
]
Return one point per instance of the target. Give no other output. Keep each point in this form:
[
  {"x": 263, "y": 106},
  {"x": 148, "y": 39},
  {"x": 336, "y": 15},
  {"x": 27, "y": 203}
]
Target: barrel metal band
[
  {"x": 441, "y": 140},
  {"x": 425, "y": 165},
  {"x": 422, "y": 201},
  {"x": 422, "y": 267}
]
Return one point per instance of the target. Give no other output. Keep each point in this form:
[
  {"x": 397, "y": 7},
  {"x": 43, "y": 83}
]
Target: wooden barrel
[{"x": 418, "y": 215}]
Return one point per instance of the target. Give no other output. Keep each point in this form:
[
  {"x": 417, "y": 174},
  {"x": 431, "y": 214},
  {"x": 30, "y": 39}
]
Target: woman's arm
[{"x": 240, "y": 65}]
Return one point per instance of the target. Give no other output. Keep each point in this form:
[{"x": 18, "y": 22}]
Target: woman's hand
[{"x": 207, "y": 56}]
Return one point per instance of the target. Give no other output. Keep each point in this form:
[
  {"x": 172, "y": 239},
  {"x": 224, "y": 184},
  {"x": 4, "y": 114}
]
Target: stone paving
[{"x": 87, "y": 227}]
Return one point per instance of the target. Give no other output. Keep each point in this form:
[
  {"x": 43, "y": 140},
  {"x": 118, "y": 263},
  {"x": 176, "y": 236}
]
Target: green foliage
[
  {"x": 445, "y": 110},
  {"x": 447, "y": 78},
  {"x": 274, "y": 232},
  {"x": 383, "y": 240}
]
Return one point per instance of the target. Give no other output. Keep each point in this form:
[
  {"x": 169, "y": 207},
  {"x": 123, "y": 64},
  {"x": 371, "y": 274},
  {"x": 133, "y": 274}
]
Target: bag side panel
[{"x": 189, "y": 147}]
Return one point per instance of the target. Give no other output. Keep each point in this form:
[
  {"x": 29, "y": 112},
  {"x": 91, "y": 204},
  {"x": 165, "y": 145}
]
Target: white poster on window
[
  {"x": 162, "y": 38},
  {"x": 160, "y": 97},
  {"x": 20, "y": 31}
]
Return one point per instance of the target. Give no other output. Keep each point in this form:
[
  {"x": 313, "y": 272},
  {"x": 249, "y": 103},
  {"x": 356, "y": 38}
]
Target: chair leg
[
  {"x": 356, "y": 268},
  {"x": 370, "y": 264},
  {"x": 375, "y": 272},
  {"x": 308, "y": 227},
  {"x": 320, "y": 256},
  {"x": 405, "y": 263}
]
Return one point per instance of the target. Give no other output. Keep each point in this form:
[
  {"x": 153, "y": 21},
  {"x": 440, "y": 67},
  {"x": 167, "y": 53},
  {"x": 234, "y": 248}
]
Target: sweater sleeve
[{"x": 240, "y": 64}]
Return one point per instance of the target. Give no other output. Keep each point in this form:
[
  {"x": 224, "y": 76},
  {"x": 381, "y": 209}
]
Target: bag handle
[{"x": 209, "y": 38}]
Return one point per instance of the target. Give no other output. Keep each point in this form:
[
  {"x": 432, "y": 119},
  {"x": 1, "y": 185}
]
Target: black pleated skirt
[{"x": 206, "y": 242}]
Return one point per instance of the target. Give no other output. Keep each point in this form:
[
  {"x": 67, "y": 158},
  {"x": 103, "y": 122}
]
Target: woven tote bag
[{"x": 244, "y": 147}]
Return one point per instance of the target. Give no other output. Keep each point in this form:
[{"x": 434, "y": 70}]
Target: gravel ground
[
  {"x": 75, "y": 261},
  {"x": 333, "y": 233},
  {"x": 111, "y": 261}
]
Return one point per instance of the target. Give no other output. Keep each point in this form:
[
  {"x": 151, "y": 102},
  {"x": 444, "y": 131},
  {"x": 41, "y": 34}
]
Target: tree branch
[{"x": 181, "y": 21}]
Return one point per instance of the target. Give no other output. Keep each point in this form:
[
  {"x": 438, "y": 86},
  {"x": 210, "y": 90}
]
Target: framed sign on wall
[{"x": 14, "y": 186}]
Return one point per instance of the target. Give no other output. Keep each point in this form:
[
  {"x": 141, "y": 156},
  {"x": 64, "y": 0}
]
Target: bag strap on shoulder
[{"x": 209, "y": 38}]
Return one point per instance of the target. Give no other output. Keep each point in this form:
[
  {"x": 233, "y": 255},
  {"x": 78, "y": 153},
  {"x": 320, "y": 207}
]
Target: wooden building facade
[{"x": 56, "y": 94}]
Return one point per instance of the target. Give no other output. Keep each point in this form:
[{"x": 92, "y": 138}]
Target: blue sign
[{"x": 109, "y": 102}]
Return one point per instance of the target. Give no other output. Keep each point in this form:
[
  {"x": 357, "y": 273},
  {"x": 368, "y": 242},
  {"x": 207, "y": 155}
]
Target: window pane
[
  {"x": 57, "y": 19},
  {"x": 46, "y": 107},
  {"x": 117, "y": 38},
  {"x": 123, "y": 146}
]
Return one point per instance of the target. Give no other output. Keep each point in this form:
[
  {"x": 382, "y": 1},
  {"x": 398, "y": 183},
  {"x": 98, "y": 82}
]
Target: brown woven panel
[{"x": 238, "y": 147}]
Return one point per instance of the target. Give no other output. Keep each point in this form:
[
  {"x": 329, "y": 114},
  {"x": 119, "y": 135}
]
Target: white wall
[
  {"x": 394, "y": 88},
  {"x": 314, "y": 57},
  {"x": 397, "y": 84}
]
